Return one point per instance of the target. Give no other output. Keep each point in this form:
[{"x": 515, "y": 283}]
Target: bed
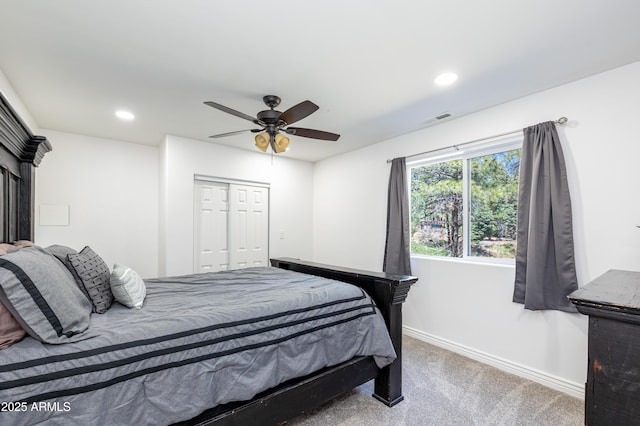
[{"x": 253, "y": 346}]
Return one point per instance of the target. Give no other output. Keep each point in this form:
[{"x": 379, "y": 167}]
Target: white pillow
[{"x": 127, "y": 286}]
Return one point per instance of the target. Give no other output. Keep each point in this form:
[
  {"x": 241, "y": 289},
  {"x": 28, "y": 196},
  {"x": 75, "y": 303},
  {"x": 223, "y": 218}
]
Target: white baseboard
[{"x": 553, "y": 382}]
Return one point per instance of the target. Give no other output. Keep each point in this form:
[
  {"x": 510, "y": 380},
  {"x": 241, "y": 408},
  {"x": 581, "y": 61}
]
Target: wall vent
[
  {"x": 443, "y": 116},
  {"x": 439, "y": 117}
]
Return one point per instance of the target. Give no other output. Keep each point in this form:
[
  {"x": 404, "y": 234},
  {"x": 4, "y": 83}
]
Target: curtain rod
[{"x": 560, "y": 120}]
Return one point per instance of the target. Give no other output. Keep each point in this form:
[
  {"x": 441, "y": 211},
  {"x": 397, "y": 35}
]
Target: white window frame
[{"x": 500, "y": 145}]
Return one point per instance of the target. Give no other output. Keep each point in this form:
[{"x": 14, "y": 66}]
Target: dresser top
[{"x": 615, "y": 290}]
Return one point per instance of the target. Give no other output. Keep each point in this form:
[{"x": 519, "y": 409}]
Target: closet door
[
  {"x": 211, "y": 224},
  {"x": 248, "y": 226},
  {"x": 231, "y": 226}
]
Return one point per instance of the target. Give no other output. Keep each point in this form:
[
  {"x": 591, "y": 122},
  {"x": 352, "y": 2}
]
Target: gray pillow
[
  {"x": 61, "y": 253},
  {"x": 42, "y": 296},
  {"x": 94, "y": 275},
  {"x": 127, "y": 286}
]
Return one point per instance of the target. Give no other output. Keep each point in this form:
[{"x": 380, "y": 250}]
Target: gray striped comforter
[{"x": 199, "y": 341}]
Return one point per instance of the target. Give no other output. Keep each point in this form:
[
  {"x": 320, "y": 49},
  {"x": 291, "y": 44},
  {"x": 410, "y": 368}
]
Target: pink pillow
[
  {"x": 10, "y": 330},
  {"x": 5, "y": 248},
  {"x": 23, "y": 243}
]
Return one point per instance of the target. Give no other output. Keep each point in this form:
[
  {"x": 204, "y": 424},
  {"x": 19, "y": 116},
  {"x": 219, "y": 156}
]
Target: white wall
[
  {"x": 291, "y": 200},
  {"x": 133, "y": 204},
  {"x": 467, "y": 306},
  {"x": 111, "y": 189},
  {"x": 16, "y": 103}
]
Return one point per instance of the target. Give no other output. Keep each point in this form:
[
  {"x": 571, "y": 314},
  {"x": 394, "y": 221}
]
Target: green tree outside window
[{"x": 437, "y": 206}]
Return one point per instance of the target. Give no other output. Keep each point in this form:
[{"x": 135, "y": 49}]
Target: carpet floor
[{"x": 443, "y": 388}]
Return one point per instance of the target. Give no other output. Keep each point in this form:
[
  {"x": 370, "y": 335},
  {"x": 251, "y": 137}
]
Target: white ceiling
[{"x": 369, "y": 65}]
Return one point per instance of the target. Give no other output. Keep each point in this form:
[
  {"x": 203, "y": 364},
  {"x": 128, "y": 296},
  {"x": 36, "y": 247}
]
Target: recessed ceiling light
[
  {"x": 125, "y": 115},
  {"x": 446, "y": 78}
]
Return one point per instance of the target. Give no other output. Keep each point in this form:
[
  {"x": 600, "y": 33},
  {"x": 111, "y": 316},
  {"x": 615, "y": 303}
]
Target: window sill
[{"x": 504, "y": 263}]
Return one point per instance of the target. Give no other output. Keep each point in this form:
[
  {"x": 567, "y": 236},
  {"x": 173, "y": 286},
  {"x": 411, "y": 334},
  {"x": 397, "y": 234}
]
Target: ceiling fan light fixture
[
  {"x": 262, "y": 141},
  {"x": 280, "y": 144},
  {"x": 273, "y": 122}
]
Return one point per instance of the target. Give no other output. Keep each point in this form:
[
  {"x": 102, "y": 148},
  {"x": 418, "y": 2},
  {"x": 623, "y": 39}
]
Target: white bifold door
[{"x": 231, "y": 226}]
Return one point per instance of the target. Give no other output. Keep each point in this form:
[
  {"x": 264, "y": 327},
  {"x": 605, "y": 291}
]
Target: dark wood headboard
[{"x": 20, "y": 154}]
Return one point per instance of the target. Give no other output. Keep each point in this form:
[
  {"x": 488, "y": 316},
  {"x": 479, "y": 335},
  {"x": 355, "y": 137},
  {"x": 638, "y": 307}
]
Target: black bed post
[
  {"x": 33, "y": 150},
  {"x": 388, "y": 385},
  {"x": 26, "y": 206}
]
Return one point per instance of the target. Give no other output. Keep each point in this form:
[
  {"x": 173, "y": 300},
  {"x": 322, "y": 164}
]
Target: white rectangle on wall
[{"x": 54, "y": 215}]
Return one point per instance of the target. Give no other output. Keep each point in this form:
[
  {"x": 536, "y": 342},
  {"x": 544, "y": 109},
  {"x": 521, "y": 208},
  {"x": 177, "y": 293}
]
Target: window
[{"x": 465, "y": 204}]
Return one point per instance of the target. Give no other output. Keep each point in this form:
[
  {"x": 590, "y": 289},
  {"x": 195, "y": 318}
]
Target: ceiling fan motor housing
[
  {"x": 271, "y": 101},
  {"x": 269, "y": 116}
]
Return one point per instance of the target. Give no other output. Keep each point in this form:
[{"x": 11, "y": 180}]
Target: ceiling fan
[{"x": 273, "y": 122}]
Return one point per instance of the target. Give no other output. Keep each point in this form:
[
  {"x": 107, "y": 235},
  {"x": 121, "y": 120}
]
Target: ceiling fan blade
[
  {"x": 310, "y": 133},
  {"x": 231, "y": 111},
  {"x": 298, "y": 112},
  {"x": 222, "y": 135}
]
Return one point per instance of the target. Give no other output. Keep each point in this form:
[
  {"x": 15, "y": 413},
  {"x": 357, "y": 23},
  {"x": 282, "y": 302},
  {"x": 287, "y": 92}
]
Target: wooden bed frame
[
  {"x": 301, "y": 395},
  {"x": 21, "y": 152}
]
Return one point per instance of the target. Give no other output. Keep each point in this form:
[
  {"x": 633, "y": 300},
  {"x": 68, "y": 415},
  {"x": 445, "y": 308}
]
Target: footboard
[
  {"x": 301, "y": 395},
  {"x": 389, "y": 292}
]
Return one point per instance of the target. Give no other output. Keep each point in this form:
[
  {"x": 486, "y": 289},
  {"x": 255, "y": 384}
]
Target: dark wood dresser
[{"x": 612, "y": 393}]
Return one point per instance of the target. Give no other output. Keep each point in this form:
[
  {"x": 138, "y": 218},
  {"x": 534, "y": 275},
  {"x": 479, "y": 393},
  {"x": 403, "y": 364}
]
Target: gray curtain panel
[
  {"x": 397, "y": 247},
  {"x": 545, "y": 264}
]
